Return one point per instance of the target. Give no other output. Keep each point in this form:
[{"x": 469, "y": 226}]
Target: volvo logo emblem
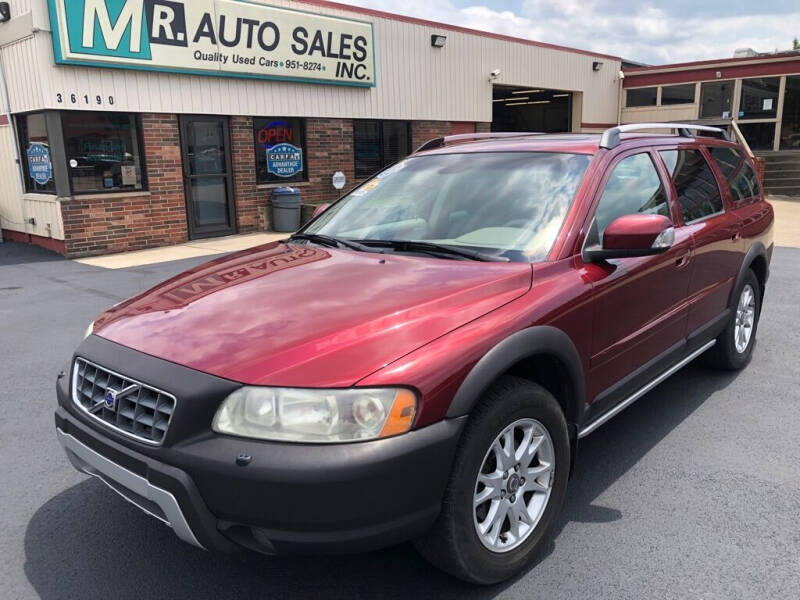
[{"x": 112, "y": 396}]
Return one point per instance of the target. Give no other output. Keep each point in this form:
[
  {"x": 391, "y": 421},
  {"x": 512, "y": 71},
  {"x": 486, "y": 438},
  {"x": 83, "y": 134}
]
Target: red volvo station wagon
[{"x": 420, "y": 361}]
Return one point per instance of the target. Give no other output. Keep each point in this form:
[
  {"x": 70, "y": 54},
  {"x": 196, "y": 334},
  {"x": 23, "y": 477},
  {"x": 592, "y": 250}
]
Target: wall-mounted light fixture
[
  {"x": 597, "y": 65},
  {"x": 438, "y": 40},
  {"x": 5, "y": 12}
]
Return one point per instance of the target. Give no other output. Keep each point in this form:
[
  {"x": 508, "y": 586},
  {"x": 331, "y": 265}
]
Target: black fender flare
[
  {"x": 537, "y": 340},
  {"x": 756, "y": 250}
]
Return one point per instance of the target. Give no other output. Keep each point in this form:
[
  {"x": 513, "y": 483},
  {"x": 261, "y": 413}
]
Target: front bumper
[
  {"x": 137, "y": 490},
  {"x": 290, "y": 498}
]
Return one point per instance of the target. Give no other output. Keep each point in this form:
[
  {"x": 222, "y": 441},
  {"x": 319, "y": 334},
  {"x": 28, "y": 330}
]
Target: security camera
[{"x": 494, "y": 74}]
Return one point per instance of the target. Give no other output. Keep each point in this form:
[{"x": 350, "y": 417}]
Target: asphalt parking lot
[{"x": 693, "y": 492}]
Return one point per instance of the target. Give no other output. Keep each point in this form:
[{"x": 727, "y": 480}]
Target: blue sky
[{"x": 652, "y": 32}]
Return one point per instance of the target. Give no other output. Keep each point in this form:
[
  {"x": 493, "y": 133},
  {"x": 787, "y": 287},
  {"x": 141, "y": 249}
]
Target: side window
[
  {"x": 698, "y": 193},
  {"x": 633, "y": 187},
  {"x": 741, "y": 178}
]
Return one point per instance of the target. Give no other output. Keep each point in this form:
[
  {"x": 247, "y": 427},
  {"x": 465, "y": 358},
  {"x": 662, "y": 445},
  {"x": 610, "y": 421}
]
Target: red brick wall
[
  {"x": 422, "y": 131},
  {"x": 329, "y": 148},
  {"x": 104, "y": 224},
  {"x": 250, "y": 201}
]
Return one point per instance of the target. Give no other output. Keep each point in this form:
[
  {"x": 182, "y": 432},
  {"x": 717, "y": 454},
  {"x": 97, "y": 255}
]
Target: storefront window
[
  {"x": 790, "y": 126},
  {"x": 103, "y": 152},
  {"x": 37, "y": 163},
  {"x": 280, "y": 150},
  {"x": 641, "y": 97},
  {"x": 759, "y": 136},
  {"x": 378, "y": 144},
  {"x": 759, "y": 98},
  {"x": 677, "y": 94},
  {"x": 715, "y": 100}
]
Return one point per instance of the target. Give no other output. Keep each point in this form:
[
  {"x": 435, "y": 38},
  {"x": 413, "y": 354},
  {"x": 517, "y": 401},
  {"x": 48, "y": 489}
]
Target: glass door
[
  {"x": 790, "y": 121},
  {"x": 207, "y": 176}
]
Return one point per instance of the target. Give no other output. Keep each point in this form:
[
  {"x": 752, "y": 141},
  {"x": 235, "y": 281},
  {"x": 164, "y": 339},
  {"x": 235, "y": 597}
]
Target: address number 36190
[{"x": 84, "y": 99}]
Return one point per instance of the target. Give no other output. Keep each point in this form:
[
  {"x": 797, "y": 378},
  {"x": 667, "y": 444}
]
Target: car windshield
[{"x": 509, "y": 204}]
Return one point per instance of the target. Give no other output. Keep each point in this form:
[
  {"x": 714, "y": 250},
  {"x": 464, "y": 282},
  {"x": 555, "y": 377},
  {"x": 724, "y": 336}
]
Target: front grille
[{"x": 135, "y": 409}]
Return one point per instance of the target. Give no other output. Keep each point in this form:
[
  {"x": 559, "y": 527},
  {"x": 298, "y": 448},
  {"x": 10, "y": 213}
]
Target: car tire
[
  {"x": 455, "y": 543},
  {"x": 734, "y": 347}
]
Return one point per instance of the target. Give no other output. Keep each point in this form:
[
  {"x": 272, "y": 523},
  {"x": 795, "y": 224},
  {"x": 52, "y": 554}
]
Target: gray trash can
[{"x": 286, "y": 209}]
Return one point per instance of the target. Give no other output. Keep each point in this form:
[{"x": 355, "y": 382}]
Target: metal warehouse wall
[{"x": 414, "y": 80}]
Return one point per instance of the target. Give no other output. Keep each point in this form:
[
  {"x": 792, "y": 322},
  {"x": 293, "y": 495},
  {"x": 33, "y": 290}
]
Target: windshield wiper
[
  {"x": 434, "y": 248},
  {"x": 332, "y": 242}
]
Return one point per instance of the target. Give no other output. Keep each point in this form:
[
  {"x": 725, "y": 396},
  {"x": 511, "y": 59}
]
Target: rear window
[
  {"x": 698, "y": 193},
  {"x": 741, "y": 178}
]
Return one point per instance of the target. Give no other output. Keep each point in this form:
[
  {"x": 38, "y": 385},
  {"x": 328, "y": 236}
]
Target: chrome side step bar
[{"x": 605, "y": 417}]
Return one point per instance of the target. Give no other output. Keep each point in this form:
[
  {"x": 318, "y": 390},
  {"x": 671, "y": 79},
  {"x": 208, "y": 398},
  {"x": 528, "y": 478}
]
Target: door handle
[
  {"x": 684, "y": 259},
  {"x": 736, "y": 236}
]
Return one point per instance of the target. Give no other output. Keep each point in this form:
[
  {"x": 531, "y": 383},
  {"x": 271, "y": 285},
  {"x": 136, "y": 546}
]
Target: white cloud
[{"x": 644, "y": 32}]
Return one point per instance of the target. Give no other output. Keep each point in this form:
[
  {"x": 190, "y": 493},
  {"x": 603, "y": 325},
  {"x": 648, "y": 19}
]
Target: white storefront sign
[{"x": 213, "y": 37}]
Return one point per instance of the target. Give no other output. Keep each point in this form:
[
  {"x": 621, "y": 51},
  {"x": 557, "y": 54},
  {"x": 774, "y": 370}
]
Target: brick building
[{"x": 164, "y": 125}]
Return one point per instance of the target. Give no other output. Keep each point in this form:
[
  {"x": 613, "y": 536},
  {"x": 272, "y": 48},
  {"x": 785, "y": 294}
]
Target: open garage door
[{"x": 531, "y": 109}]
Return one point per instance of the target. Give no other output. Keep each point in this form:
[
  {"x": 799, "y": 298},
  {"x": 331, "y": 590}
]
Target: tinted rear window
[
  {"x": 741, "y": 178},
  {"x": 698, "y": 193}
]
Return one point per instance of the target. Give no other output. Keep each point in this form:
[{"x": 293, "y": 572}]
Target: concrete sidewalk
[
  {"x": 787, "y": 221},
  {"x": 221, "y": 245}
]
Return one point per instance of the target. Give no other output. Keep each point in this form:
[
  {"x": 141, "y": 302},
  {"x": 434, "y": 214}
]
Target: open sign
[{"x": 276, "y": 132}]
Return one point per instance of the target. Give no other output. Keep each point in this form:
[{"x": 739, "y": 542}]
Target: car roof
[{"x": 576, "y": 143}]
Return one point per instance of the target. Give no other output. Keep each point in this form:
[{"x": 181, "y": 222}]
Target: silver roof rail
[
  {"x": 462, "y": 137},
  {"x": 611, "y": 137}
]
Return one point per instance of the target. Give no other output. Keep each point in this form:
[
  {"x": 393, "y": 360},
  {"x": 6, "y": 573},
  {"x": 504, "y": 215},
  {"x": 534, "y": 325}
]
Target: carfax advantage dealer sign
[{"x": 213, "y": 37}]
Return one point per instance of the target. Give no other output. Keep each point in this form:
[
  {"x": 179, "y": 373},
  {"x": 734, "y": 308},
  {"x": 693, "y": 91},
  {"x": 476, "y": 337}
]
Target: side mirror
[
  {"x": 320, "y": 209},
  {"x": 631, "y": 235}
]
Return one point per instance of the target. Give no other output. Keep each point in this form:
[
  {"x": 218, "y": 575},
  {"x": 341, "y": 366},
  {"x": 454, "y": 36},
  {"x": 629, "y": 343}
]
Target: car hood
[{"x": 297, "y": 315}]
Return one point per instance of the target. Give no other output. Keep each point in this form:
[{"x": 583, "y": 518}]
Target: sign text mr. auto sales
[{"x": 214, "y": 37}]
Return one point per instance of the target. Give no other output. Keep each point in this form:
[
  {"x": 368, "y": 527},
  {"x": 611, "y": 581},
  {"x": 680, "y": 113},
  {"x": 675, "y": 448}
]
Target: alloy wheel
[
  {"x": 745, "y": 319},
  {"x": 513, "y": 485}
]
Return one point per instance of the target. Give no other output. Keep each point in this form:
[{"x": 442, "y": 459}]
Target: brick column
[
  {"x": 329, "y": 148},
  {"x": 162, "y": 150},
  {"x": 251, "y": 203}
]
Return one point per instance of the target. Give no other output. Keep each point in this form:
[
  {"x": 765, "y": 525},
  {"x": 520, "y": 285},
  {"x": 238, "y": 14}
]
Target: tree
[{"x": 795, "y": 44}]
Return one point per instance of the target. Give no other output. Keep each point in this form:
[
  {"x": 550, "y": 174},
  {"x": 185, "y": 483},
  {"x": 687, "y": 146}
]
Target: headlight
[
  {"x": 315, "y": 415},
  {"x": 89, "y": 330}
]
